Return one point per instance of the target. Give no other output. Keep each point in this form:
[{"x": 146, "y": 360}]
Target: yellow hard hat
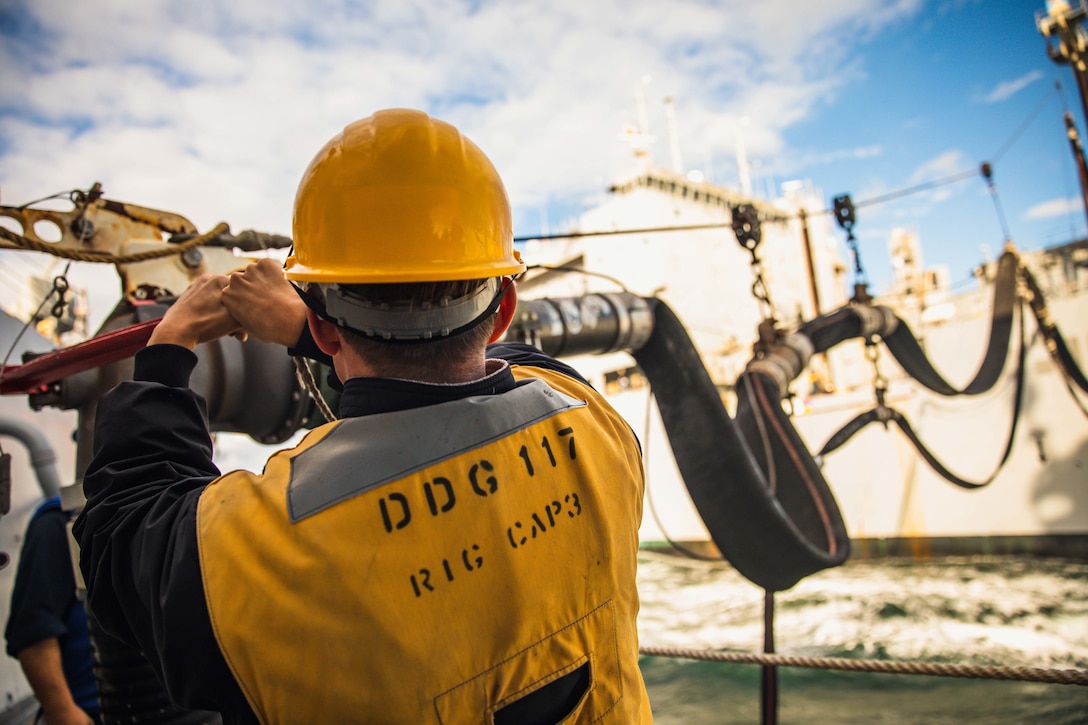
[{"x": 401, "y": 197}]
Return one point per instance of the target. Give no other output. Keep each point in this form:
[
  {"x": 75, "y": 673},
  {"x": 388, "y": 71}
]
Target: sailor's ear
[
  {"x": 505, "y": 314},
  {"x": 325, "y": 334}
]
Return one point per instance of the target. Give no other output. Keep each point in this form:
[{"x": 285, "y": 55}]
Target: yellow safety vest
[{"x": 433, "y": 565}]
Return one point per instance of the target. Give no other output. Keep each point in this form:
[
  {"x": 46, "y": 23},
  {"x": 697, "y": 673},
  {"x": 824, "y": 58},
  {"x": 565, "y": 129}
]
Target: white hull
[
  {"x": 1038, "y": 501},
  {"x": 887, "y": 493}
]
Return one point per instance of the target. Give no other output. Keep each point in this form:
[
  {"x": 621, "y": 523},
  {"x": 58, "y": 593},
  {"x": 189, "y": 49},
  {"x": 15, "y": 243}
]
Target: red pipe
[{"x": 35, "y": 376}]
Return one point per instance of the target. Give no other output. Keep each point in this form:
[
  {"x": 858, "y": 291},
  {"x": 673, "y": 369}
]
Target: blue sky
[
  {"x": 943, "y": 91},
  {"x": 213, "y": 109}
]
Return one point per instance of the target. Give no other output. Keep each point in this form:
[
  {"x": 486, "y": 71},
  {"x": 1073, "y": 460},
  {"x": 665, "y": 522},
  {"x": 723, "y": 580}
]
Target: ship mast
[{"x": 1067, "y": 44}]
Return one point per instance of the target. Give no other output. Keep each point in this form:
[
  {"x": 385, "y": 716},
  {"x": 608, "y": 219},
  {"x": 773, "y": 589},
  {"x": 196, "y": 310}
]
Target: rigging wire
[
  {"x": 613, "y": 232},
  {"x": 70, "y": 195},
  {"x": 1027, "y": 122},
  {"x": 917, "y": 189},
  {"x": 944, "y": 181},
  {"x": 680, "y": 548},
  {"x": 579, "y": 270},
  {"x": 26, "y": 325},
  {"x": 987, "y": 173}
]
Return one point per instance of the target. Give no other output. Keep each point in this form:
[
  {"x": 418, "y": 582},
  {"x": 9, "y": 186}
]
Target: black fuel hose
[{"x": 775, "y": 530}]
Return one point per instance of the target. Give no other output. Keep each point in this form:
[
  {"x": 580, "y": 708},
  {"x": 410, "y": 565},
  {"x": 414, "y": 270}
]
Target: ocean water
[{"x": 993, "y": 611}]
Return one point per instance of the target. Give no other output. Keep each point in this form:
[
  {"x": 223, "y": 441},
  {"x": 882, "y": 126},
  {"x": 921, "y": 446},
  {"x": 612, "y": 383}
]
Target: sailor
[
  {"x": 47, "y": 625},
  {"x": 459, "y": 547}
]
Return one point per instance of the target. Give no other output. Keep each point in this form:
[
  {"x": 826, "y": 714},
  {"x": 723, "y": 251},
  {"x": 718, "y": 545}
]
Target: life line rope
[
  {"x": 306, "y": 379},
  {"x": 1022, "y": 674},
  {"x": 84, "y": 255}
]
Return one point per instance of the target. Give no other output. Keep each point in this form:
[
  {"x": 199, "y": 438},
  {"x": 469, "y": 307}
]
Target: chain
[
  {"x": 60, "y": 289},
  {"x": 880, "y": 383},
  {"x": 759, "y": 288},
  {"x": 844, "y": 215},
  {"x": 747, "y": 228}
]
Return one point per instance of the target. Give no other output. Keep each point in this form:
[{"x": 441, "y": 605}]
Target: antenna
[
  {"x": 743, "y": 169},
  {"x": 674, "y": 136},
  {"x": 640, "y": 138},
  {"x": 640, "y": 105}
]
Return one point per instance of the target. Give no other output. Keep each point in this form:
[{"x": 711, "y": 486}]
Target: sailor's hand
[
  {"x": 265, "y": 303},
  {"x": 198, "y": 316}
]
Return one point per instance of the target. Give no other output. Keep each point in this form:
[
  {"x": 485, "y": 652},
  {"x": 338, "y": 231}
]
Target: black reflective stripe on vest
[{"x": 362, "y": 453}]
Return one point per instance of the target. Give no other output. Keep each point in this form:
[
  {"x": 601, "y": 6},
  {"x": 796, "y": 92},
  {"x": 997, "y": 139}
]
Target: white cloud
[
  {"x": 857, "y": 152},
  {"x": 945, "y": 172},
  {"x": 213, "y": 109},
  {"x": 1055, "y": 208},
  {"x": 1007, "y": 89},
  {"x": 941, "y": 166},
  {"x": 543, "y": 87}
]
